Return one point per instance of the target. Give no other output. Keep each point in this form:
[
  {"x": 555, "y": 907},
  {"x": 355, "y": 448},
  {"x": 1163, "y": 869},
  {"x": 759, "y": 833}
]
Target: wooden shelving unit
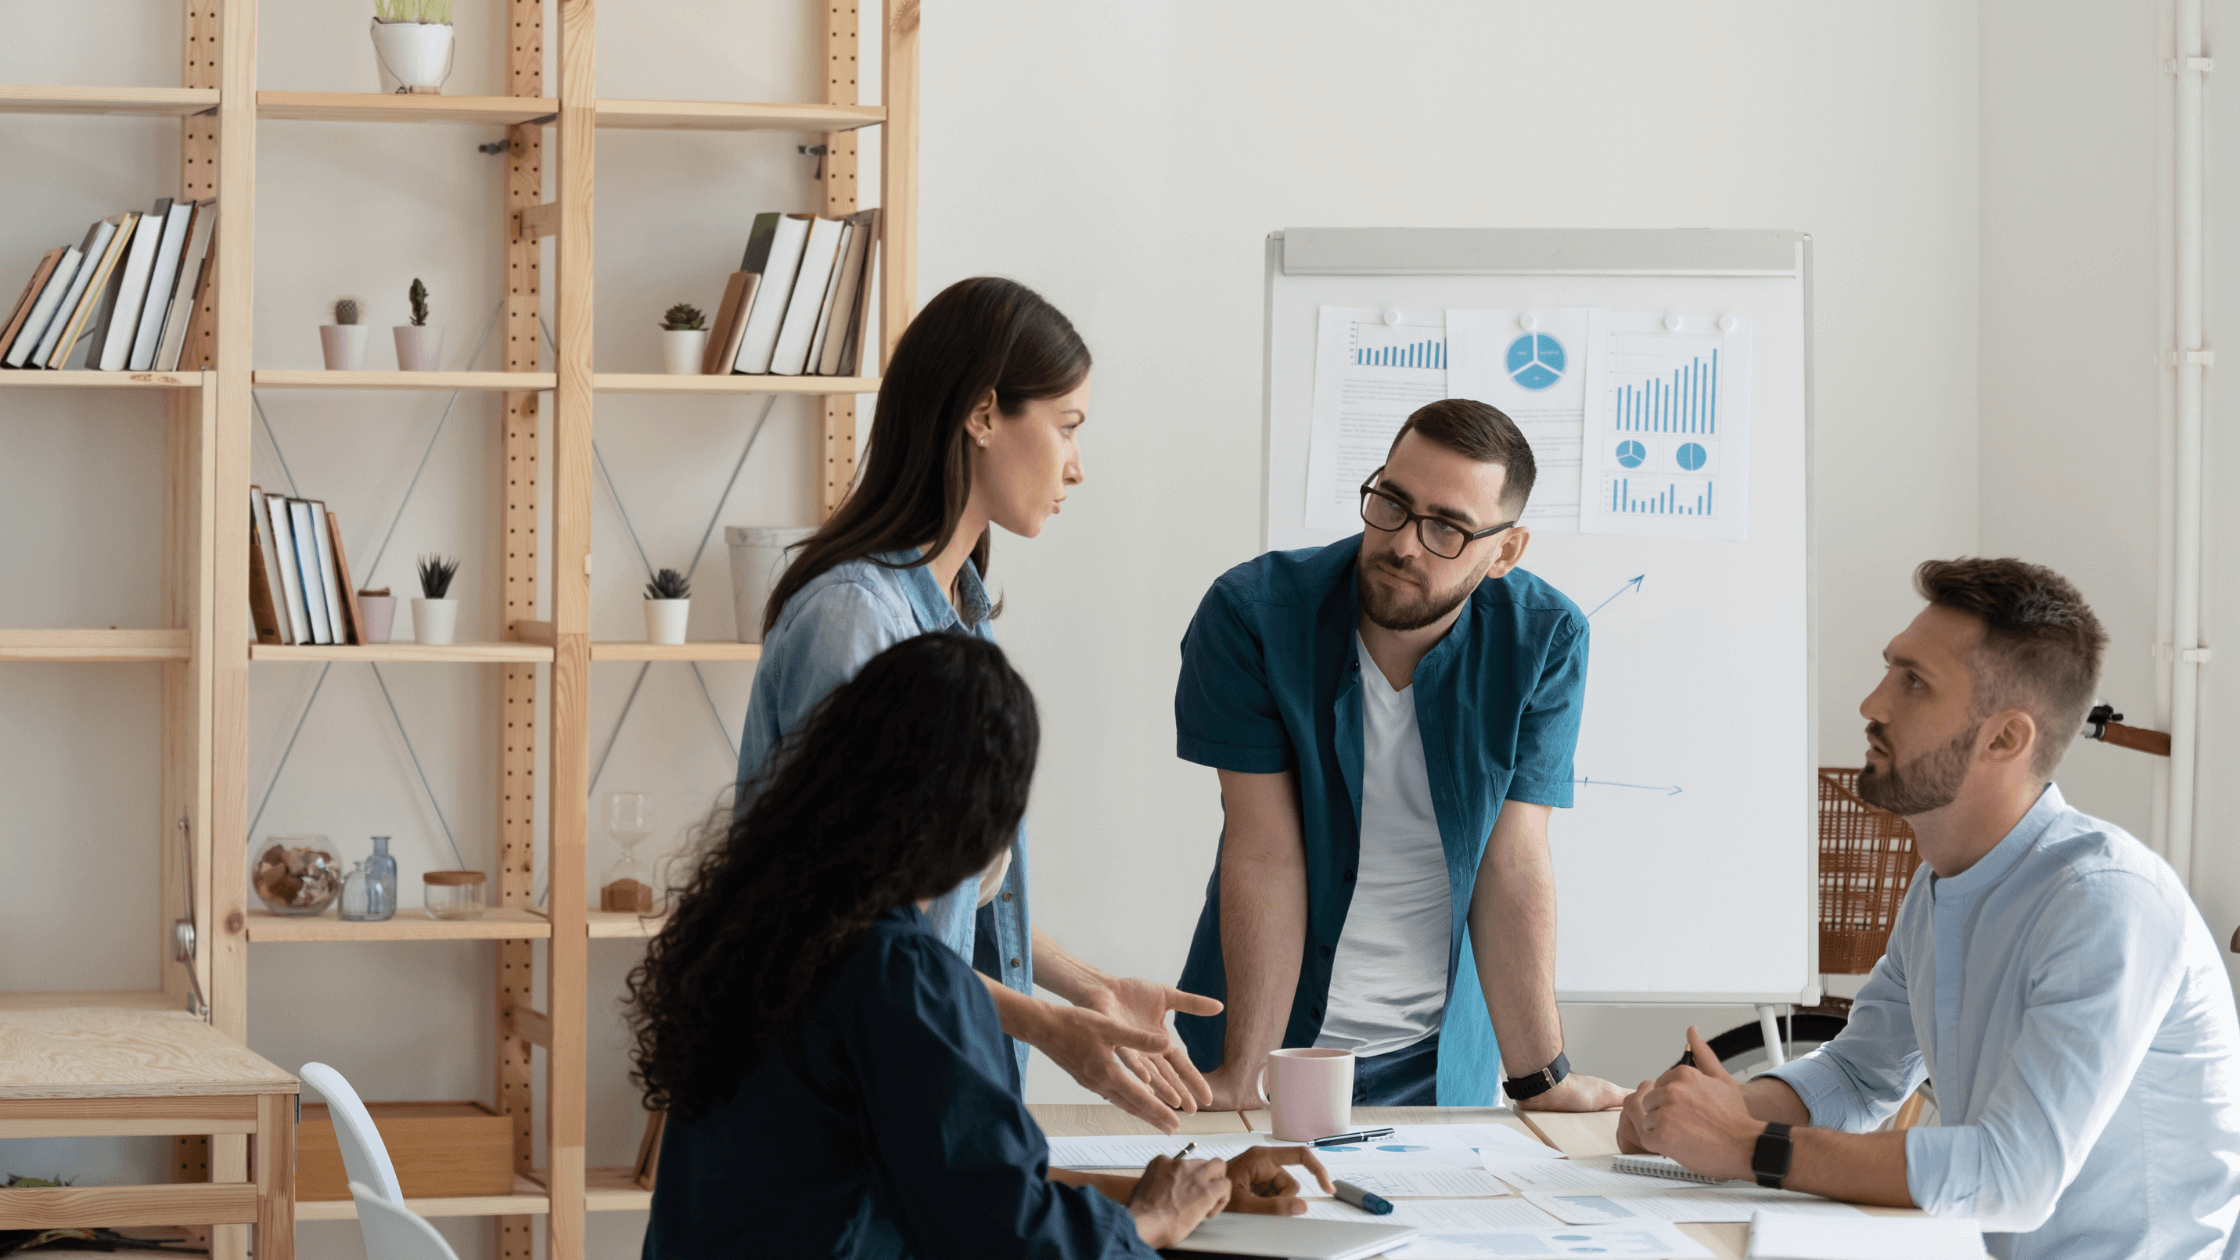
[{"x": 205, "y": 645}]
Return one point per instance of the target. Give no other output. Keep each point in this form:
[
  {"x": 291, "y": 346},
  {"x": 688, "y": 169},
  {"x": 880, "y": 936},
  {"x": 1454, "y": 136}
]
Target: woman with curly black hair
[{"x": 835, "y": 1077}]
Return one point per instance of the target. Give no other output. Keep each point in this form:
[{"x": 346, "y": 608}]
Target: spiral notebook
[{"x": 1659, "y": 1166}]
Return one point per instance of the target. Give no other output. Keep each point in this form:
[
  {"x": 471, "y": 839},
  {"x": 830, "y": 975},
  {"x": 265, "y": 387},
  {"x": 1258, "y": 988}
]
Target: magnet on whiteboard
[
  {"x": 1391, "y": 318},
  {"x": 1672, "y": 323},
  {"x": 1528, "y": 321},
  {"x": 1726, "y": 323}
]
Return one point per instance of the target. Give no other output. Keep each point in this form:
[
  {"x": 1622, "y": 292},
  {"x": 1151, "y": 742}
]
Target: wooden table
[
  {"x": 1595, "y": 1133},
  {"x": 113, "y": 1072}
]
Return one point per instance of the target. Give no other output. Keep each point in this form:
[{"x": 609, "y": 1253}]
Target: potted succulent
[
  {"x": 412, "y": 44},
  {"x": 344, "y": 340},
  {"x": 434, "y": 616},
  {"x": 668, "y": 604},
  {"x": 684, "y": 339},
  {"x": 380, "y": 609},
  {"x": 419, "y": 347}
]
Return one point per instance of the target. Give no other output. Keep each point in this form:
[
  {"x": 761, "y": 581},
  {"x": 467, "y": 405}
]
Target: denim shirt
[
  {"x": 1271, "y": 681},
  {"x": 2072, "y": 1010},
  {"x": 829, "y": 630}
]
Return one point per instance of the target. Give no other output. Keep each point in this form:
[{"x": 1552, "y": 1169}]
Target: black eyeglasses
[{"x": 1441, "y": 538}]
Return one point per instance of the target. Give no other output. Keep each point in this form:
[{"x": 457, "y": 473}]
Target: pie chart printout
[
  {"x": 1690, "y": 456},
  {"x": 1535, "y": 361},
  {"x": 1631, "y": 453}
]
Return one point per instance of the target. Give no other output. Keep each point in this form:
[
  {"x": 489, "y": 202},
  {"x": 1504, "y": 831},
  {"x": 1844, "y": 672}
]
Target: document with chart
[
  {"x": 1668, "y": 426},
  {"x": 1532, "y": 365},
  {"x": 1372, "y": 368}
]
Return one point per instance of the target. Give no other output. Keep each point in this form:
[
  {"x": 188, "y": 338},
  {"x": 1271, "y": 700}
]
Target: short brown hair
[
  {"x": 2041, "y": 646},
  {"x": 1481, "y": 432}
]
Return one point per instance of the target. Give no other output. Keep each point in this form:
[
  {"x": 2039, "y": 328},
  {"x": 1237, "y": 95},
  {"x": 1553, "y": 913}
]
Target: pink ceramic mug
[{"x": 1310, "y": 1091}]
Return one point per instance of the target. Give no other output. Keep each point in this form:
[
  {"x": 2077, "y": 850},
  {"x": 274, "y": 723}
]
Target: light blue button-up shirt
[
  {"x": 827, "y": 632},
  {"x": 2067, "y": 1002}
]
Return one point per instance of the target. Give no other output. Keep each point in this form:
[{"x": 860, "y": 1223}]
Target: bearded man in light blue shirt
[{"x": 2048, "y": 978}]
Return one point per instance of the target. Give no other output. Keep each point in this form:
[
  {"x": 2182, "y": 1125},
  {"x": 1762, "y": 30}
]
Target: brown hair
[
  {"x": 2041, "y": 647},
  {"x": 975, "y": 337},
  {"x": 1481, "y": 432}
]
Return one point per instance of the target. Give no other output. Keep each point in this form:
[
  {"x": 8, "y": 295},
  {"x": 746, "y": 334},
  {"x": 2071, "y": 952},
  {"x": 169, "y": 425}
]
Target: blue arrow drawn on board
[
  {"x": 1634, "y": 585},
  {"x": 1669, "y": 789}
]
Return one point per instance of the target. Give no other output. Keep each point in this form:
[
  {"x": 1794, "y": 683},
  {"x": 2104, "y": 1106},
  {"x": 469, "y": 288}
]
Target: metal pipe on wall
[{"x": 2186, "y": 656}]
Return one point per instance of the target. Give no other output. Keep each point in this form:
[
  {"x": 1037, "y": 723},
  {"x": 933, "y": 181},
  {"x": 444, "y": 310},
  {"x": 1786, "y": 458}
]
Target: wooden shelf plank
[
  {"x": 94, "y": 645},
  {"x": 294, "y": 378},
  {"x": 617, "y": 925},
  {"x": 465, "y": 653},
  {"x": 79, "y": 378},
  {"x": 528, "y": 1199},
  {"x": 614, "y": 1190},
  {"x": 377, "y": 108},
  {"x": 114, "y": 999},
  {"x": 658, "y": 383},
  {"x": 122, "y": 1052},
  {"x": 701, "y": 650},
  {"x": 496, "y": 924},
  {"x": 150, "y": 102},
  {"x": 735, "y": 116}
]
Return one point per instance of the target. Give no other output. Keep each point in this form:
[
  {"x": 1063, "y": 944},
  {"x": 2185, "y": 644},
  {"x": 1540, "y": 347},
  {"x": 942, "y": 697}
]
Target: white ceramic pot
[
  {"x": 434, "y": 621},
  {"x": 419, "y": 347},
  {"x": 380, "y": 611},
  {"x": 758, "y": 560},
  {"x": 412, "y": 54},
  {"x": 344, "y": 346},
  {"x": 665, "y": 620},
  {"x": 682, "y": 350}
]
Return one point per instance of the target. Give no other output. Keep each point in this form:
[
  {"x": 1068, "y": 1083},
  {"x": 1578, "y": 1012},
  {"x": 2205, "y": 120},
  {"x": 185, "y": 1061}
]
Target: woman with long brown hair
[{"x": 975, "y": 429}]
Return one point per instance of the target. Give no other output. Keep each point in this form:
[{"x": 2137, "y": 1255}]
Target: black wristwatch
[
  {"x": 1533, "y": 1084},
  {"x": 1770, "y": 1160}
]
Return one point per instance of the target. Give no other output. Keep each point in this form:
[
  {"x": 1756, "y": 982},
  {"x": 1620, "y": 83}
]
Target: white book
[
  {"x": 132, "y": 289},
  {"x": 847, "y": 292},
  {"x": 260, "y": 520},
  {"x": 162, "y": 277},
  {"x": 328, "y": 582},
  {"x": 291, "y": 570},
  {"x": 814, "y": 277},
  {"x": 187, "y": 287},
  {"x": 770, "y": 297},
  {"x": 831, "y": 292},
  {"x": 306, "y": 531},
  {"x": 43, "y": 310},
  {"x": 95, "y": 245}
]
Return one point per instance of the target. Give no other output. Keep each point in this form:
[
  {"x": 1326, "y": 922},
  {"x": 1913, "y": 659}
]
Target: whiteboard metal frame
[{"x": 1690, "y": 252}]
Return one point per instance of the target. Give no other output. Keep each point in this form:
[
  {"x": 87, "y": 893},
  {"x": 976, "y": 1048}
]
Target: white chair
[
  {"x": 365, "y": 1159},
  {"x": 393, "y": 1231}
]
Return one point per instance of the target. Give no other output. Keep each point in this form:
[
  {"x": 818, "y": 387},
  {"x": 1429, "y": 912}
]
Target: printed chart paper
[
  {"x": 1654, "y": 1241},
  {"x": 1434, "y": 1146},
  {"x": 1532, "y": 365},
  {"x": 1443, "y": 1216},
  {"x": 1406, "y": 1183},
  {"x": 1668, "y": 427},
  {"x": 1133, "y": 1150},
  {"x": 1573, "y": 1174},
  {"x": 1736, "y": 1205},
  {"x": 1370, "y": 373}
]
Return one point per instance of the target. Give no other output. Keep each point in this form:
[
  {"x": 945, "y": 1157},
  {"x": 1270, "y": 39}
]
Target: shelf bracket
[{"x": 537, "y": 221}]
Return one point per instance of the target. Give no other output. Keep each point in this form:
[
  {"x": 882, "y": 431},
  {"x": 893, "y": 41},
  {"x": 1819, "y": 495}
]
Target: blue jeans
[{"x": 1404, "y": 1078}]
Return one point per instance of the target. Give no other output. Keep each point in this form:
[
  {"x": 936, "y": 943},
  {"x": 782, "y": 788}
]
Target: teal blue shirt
[{"x": 1271, "y": 681}]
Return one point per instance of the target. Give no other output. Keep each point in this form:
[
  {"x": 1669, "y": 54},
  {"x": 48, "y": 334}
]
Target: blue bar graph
[
  {"x": 1664, "y": 498},
  {"x": 1415, "y": 354},
  {"x": 1686, "y": 401}
]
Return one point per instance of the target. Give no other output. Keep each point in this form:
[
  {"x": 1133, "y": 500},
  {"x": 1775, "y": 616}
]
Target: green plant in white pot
[
  {"x": 435, "y": 616},
  {"x": 419, "y": 344},
  {"x": 668, "y": 607},
  {"x": 684, "y": 339},
  {"x": 343, "y": 342},
  {"x": 412, "y": 44}
]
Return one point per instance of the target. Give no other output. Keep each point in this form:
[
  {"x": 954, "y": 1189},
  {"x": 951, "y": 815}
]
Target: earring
[{"x": 983, "y": 442}]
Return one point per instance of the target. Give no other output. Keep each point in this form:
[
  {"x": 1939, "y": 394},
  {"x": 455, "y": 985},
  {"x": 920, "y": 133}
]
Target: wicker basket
[{"x": 1867, "y": 861}]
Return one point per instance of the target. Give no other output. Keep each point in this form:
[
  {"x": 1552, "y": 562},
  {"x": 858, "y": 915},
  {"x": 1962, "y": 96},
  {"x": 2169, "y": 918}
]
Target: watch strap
[
  {"x": 1769, "y": 1160},
  {"x": 1534, "y": 1084}
]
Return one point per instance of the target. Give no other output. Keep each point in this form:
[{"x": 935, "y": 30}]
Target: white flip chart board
[{"x": 1686, "y": 870}]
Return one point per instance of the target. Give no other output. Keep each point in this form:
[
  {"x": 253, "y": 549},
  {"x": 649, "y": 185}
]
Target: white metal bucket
[{"x": 758, "y": 559}]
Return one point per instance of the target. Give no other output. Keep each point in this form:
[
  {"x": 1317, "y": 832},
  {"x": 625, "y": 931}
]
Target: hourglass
[{"x": 627, "y": 887}]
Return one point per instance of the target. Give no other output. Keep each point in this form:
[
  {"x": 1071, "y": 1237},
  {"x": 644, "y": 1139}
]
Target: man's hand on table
[
  {"x": 1577, "y": 1093},
  {"x": 1173, "y": 1195},
  {"x": 1259, "y": 1184},
  {"x": 1143, "y": 1005},
  {"x": 1235, "y": 1086},
  {"x": 1695, "y": 1115}
]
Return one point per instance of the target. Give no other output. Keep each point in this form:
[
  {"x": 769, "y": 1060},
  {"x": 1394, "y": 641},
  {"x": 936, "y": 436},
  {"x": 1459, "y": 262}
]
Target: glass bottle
[
  {"x": 355, "y": 887},
  {"x": 381, "y": 882}
]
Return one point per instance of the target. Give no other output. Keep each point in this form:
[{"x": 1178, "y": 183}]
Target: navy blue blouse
[{"x": 885, "y": 1125}]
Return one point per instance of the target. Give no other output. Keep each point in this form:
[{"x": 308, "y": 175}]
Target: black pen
[
  {"x": 1184, "y": 1153},
  {"x": 1688, "y": 1058},
  {"x": 1365, "y": 1135}
]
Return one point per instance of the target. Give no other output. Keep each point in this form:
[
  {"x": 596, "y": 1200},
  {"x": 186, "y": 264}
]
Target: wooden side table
[{"x": 116, "y": 1072}]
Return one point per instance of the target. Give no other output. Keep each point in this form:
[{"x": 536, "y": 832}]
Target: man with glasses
[{"x": 1392, "y": 718}]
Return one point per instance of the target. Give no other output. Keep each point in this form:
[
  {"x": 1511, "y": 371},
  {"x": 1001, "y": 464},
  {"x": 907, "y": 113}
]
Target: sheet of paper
[
  {"x": 1437, "y": 1145},
  {"x": 1134, "y": 1150},
  {"x": 1421, "y": 1183},
  {"x": 1668, "y": 427},
  {"x": 1533, "y": 366},
  {"x": 1445, "y": 1216},
  {"x": 1573, "y": 1174},
  {"x": 1653, "y": 1240},
  {"x": 1703, "y": 1206},
  {"x": 1875, "y": 1238},
  {"x": 1370, "y": 372}
]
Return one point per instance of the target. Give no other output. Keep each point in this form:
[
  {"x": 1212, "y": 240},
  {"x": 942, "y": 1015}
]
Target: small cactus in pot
[
  {"x": 684, "y": 340},
  {"x": 343, "y": 342},
  {"x": 668, "y": 607}
]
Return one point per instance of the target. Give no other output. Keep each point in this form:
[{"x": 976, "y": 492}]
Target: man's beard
[
  {"x": 1928, "y": 782},
  {"x": 1401, "y": 609}
]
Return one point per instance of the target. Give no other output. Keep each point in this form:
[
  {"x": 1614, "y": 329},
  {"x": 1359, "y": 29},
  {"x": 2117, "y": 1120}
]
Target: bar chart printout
[
  {"x": 1668, "y": 451},
  {"x": 1372, "y": 368}
]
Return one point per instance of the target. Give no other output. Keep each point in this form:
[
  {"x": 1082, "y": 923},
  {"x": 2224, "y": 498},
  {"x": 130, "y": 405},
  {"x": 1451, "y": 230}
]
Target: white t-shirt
[{"x": 1388, "y": 980}]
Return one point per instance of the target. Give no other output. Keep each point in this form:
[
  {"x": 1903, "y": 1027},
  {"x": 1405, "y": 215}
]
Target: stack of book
[
  {"x": 299, "y": 580},
  {"x": 135, "y": 292},
  {"x": 797, "y": 304}
]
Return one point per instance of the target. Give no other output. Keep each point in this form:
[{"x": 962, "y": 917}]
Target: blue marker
[{"x": 1373, "y": 1204}]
